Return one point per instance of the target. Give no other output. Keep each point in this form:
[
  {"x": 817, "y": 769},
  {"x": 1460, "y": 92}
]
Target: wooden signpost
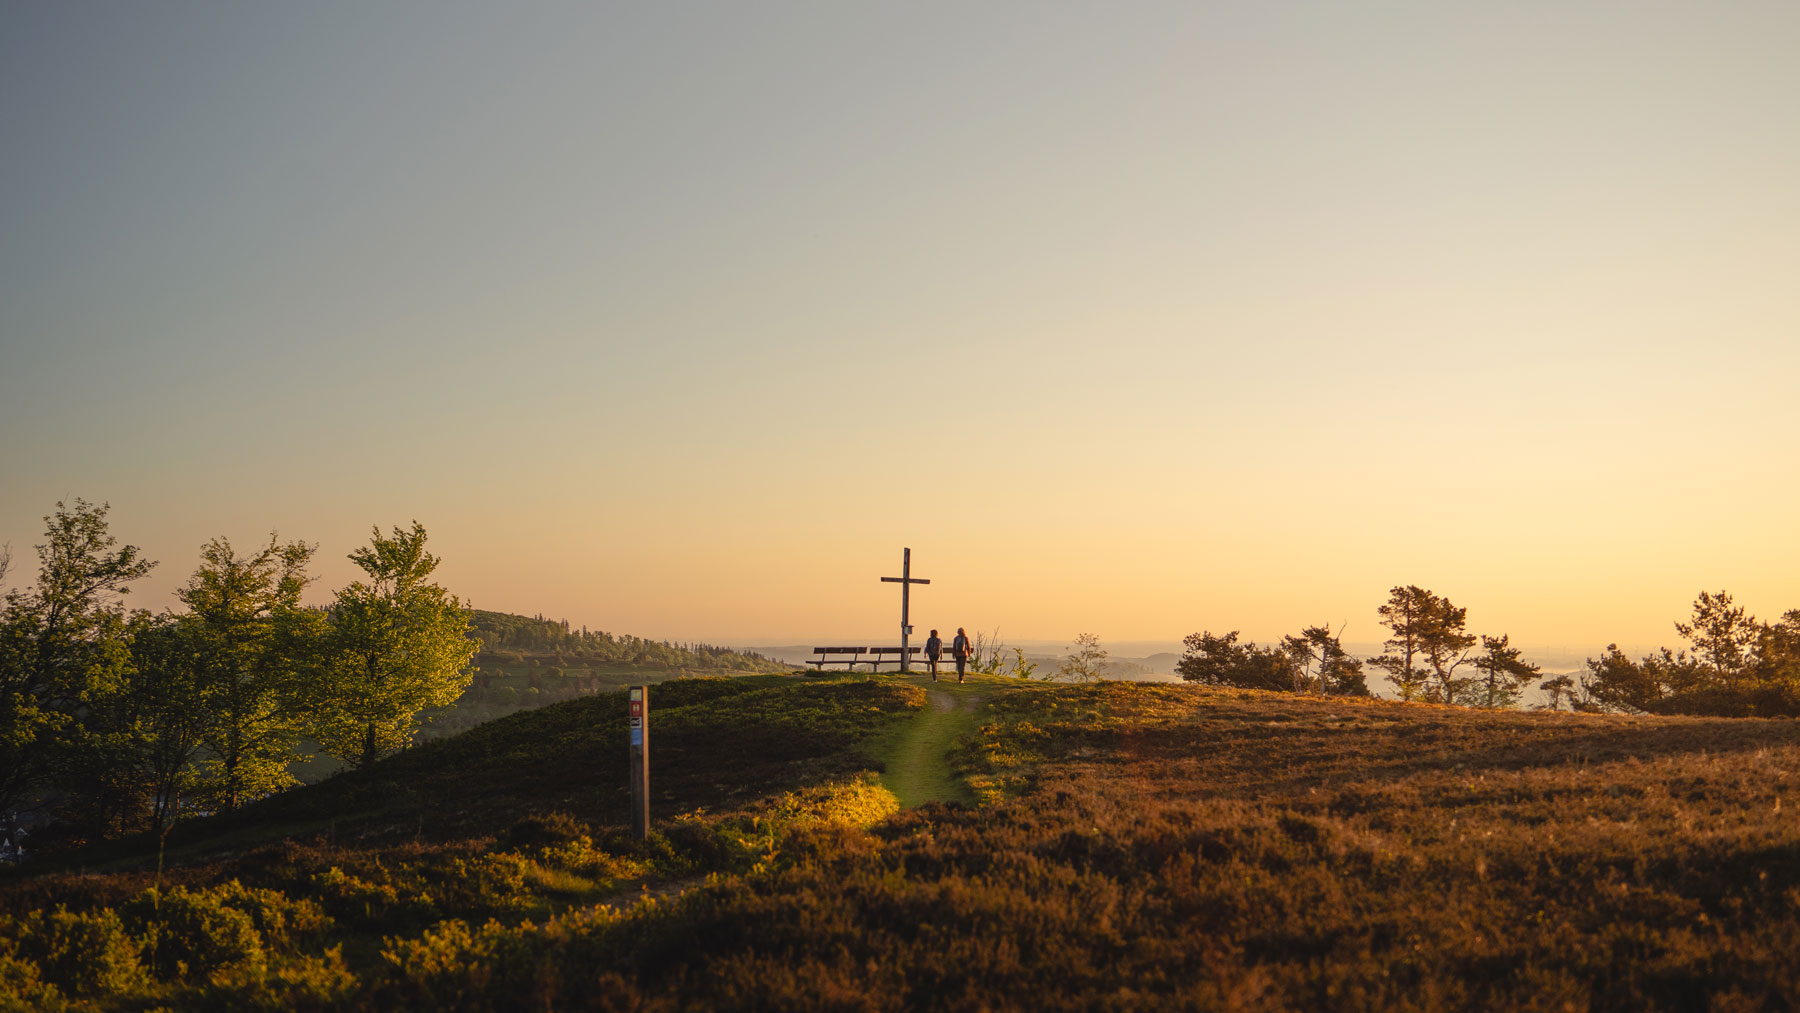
[
  {"x": 640, "y": 760},
  {"x": 906, "y": 580}
]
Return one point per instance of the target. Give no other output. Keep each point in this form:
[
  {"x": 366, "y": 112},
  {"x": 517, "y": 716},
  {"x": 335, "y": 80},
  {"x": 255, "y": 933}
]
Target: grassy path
[{"x": 917, "y": 756}]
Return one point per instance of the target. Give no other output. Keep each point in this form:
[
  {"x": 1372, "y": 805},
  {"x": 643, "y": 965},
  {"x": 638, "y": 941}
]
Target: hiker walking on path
[
  {"x": 959, "y": 649},
  {"x": 934, "y": 649}
]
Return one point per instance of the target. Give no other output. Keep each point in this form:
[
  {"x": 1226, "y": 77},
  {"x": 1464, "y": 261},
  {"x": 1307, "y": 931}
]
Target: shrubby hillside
[{"x": 1134, "y": 846}]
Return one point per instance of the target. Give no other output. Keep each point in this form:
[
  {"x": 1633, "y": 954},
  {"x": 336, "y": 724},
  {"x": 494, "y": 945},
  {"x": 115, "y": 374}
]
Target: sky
[{"x": 1135, "y": 319}]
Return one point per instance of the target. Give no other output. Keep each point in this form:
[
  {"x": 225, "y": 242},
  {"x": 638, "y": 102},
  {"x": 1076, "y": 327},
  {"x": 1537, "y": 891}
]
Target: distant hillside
[
  {"x": 1163, "y": 663},
  {"x": 534, "y": 641},
  {"x": 530, "y": 661}
]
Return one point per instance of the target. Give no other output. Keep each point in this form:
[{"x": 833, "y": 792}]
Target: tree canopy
[{"x": 395, "y": 644}]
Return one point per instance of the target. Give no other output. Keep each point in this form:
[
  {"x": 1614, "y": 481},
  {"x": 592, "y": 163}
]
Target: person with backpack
[
  {"x": 934, "y": 649},
  {"x": 960, "y": 649}
]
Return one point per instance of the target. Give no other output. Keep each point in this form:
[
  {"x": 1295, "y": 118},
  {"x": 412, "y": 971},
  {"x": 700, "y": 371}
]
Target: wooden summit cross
[{"x": 906, "y": 580}]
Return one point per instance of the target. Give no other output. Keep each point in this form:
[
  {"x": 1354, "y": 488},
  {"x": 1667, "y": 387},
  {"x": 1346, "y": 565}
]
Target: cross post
[{"x": 906, "y": 580}]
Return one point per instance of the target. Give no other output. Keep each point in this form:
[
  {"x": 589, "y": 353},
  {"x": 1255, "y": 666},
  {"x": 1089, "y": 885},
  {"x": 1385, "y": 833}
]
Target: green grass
[{"x": 916, "y": 756}]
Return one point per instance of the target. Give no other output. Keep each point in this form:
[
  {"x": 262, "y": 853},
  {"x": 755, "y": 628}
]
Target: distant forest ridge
[{"x": 508, "y": 639}]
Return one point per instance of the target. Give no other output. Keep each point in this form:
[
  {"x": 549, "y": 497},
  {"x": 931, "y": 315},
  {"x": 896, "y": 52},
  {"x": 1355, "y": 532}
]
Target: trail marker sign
[{"x": 638, "y": 711}]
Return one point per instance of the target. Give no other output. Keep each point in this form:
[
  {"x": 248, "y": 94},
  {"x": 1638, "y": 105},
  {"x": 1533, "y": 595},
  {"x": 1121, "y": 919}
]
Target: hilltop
[{"x": 1119, "y": 845}]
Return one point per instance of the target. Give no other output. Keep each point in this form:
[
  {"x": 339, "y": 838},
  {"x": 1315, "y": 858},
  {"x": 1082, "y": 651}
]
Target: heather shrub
[
  {"x": 282, "y": 921},
  {"x": 494, "y": 882},
  {"x": 602, "y": 869},
  {"x": 22, "y": 987},
  {"x": 87, "y": 953},
  {"x": 856, "y": 802},
  {"x": 542, "y": 828},
  {"x": 299, "y": 982},
  {"x": 194, "y": 933},
  {"x": 561, "y": 963},
  {"x": 350, "y": 896}
]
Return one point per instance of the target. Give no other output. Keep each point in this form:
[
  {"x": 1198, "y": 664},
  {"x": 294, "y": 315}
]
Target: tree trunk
[
  {"x": 165, "y": 810},
  {"x": 369, "y": 745},
  {"x": 231, "y": 779}
]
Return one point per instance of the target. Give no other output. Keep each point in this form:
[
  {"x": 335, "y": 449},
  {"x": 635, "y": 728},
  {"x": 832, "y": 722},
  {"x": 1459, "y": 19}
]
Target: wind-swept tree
[
  {"x": 1504, "y": 674},
  {"x": 1339, "y": 673},
  {"x": 1302, "y": 652},
  {"x": 1425, "y": 628},
  {"x": 1572, "y": 688},
  {"x": 1723, "y": 635},
  {"x": 396, "y": 645},
  {"x": 1408, "y": 615},
  {"x": 1447, "y": 647},
  {"x": 1320, "y": 663}
]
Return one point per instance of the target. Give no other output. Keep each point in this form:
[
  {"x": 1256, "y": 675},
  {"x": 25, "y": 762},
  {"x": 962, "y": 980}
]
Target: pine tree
[{"x": 1505, "y": 676}]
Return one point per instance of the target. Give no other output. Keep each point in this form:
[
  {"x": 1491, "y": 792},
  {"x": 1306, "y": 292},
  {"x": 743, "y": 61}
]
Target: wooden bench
[
  {"x": 856, "y": 657},
  {"x": 890, "y": 656},
  {"x": 875, "y": 656}
]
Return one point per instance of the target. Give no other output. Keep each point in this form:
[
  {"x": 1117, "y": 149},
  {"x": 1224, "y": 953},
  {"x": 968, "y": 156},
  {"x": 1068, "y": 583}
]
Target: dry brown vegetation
[{"x": 1139, "y": 846}]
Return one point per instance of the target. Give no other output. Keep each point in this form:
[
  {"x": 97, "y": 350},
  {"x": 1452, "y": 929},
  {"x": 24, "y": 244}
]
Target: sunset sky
[{"x": 682, "y": 319}]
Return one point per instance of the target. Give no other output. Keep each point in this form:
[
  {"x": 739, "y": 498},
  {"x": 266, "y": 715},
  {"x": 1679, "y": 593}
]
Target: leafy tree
[
  {"x": 1085, "y": 660},
  {"x": 169, "y": 714},
  {"x": 250, "y": 637},
  {"x": 1021, "y": 668},
  {"x": 1506, "y": 674},
  {"x": 397, "y": 644},
  {"x": 62, "y": 650},
  {"x": 1723, "y": 635}
]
